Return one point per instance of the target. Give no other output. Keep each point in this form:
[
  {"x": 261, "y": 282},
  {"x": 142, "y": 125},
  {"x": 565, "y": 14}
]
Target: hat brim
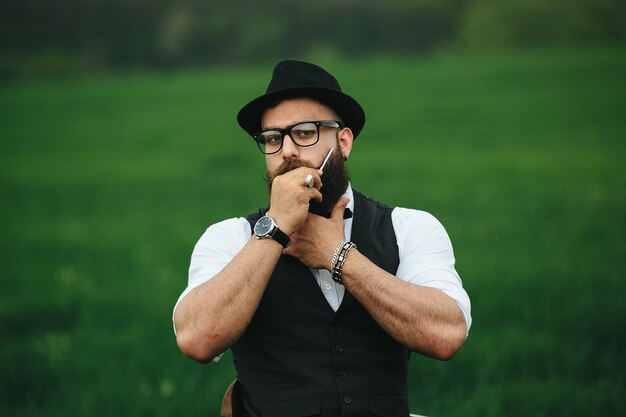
[{"x": 350, "y": 111}]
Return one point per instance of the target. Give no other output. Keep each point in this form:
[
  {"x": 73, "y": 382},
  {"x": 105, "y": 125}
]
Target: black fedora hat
[{"x": 295, "y": 79}]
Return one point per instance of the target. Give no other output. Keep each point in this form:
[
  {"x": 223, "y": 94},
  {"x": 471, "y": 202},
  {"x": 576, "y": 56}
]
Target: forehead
[{"x": 295, "y": 110}]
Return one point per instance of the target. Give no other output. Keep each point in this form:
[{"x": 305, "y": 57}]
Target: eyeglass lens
[{"x": 303, "y": 134}]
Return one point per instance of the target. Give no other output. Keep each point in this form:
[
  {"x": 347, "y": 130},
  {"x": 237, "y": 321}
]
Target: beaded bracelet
[{"x": 338, "y": 260}]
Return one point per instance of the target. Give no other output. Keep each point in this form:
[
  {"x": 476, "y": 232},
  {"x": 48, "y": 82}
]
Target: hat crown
[
  {"x": 291, "y": 79},
  {"x": 298, "y": 74}
]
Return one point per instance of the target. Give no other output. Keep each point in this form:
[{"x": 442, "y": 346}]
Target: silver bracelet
[
  {"x": 336, "y": 255},
  {"x": 337, "y": 267}
]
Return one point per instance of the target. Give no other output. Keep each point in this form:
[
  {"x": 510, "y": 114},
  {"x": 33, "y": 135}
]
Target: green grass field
[{"x": 107, "y": 182}]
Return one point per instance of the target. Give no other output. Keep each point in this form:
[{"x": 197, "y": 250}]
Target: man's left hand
[{"x": 315, "y": 241}]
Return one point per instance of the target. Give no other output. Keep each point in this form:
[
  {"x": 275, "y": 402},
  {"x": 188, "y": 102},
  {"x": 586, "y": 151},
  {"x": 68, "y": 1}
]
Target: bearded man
[{"x": 323, "y": 295}]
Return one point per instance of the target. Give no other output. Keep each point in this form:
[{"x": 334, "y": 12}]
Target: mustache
[{"x": 290, "y": 165}]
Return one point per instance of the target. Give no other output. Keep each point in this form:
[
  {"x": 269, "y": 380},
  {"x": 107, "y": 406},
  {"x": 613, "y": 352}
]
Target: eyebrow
[{"x": 289, "y": 125}]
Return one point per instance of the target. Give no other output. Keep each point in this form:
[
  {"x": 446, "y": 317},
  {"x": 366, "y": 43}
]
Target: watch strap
[{"x": 280, "y": 237}]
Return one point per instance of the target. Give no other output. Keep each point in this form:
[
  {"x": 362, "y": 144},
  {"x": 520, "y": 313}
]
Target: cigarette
[{"x": 321, "y": 168}]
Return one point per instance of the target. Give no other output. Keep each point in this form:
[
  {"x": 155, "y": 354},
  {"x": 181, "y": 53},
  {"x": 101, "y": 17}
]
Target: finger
[
  {"x": 315, "y": 195},
  {"x": 305, "y": 176},
  {"x": 339, "y": 208},
  {"x": 318, "y": 179},
  {"x": 314, "y": 176}
]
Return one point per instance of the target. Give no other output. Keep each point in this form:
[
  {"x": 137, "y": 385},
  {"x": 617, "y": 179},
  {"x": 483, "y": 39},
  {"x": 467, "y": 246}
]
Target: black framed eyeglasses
[{"x": 302, "y": 134}]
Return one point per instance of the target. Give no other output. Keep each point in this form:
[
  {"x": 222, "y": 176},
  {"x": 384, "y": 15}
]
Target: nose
[{"x": 290, "y": 149}]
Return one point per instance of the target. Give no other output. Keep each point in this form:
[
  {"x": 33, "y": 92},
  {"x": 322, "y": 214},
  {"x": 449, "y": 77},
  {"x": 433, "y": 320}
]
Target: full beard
[{"x": 335, "y": 181}]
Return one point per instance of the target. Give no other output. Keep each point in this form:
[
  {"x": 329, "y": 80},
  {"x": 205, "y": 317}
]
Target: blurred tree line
[{"x": 39, "y": 36}]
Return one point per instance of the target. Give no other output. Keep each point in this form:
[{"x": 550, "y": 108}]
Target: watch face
[{"x": 263, "y": 226}]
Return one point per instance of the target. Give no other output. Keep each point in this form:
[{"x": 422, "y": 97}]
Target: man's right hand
[{"x": 289, "y": 202}]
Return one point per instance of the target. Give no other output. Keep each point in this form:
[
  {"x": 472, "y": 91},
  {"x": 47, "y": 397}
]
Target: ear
[{"x": 345, "y": 138}]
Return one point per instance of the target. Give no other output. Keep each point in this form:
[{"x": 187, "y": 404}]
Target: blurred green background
[{"x": 119, "y": 146}]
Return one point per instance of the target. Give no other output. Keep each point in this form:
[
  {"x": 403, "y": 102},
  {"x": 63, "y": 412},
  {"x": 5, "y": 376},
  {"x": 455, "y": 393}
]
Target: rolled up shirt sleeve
[
  {"x": 426, "y": 256},
  {"x": 217, "y": 246}
]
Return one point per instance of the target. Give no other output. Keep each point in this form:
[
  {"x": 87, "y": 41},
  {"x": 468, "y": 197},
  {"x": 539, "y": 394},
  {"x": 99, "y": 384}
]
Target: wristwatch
[{"x": 265, "y": 228}]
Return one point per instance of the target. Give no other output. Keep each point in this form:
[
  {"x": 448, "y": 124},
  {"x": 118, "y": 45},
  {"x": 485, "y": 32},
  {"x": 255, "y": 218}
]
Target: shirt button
[
  {"x": 339, "y": 348},
  {"x": 328, "y": 286},
  {"x": 347, "y": 400}
]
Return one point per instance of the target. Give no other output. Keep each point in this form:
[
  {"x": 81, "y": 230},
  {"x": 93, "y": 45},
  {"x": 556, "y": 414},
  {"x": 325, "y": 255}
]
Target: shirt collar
[{"x": 350, "y": 194}]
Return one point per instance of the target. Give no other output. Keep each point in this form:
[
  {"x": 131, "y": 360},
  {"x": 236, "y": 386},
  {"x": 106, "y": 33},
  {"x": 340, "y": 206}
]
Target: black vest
[{"x": 299, "y": 358}]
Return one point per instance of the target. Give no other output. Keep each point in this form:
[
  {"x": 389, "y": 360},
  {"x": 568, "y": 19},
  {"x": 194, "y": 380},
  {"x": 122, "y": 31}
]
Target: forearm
[
  {"x": 424, "y": 319},
  {"x": 213, "y": 315}
]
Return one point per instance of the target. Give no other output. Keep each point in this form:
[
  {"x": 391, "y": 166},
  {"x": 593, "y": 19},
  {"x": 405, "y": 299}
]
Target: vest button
[
  {"x": 341, "y": 375},
  {"x": 335, "y": 323},
  {"x": 347, "y": 400},
  {"x": 339, "y": 348}
]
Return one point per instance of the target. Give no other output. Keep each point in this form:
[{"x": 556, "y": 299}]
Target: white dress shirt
[{"x": 425, "y": 251}]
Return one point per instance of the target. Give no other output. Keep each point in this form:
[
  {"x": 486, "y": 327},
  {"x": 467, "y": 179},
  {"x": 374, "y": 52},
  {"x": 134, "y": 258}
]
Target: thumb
[{"x": 340, "y": 207}]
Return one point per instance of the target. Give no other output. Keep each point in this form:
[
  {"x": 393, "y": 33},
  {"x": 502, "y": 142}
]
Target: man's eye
[
  {"x": 304, "y": 133},
  {"x": 271, "y": 139}
]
